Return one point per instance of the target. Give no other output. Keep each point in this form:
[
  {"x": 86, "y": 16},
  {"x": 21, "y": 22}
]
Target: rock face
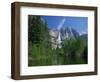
[
  {"x": 58, "y": 36},
  {"x": 67, "y": 33},
  {"x": 54, "y": 36}
]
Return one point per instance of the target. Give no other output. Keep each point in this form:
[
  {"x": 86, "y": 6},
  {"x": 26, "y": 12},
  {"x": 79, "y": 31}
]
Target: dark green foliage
[
  {"x": 40, "y": 52},
  {"x": 74, "y": 50},
  {"x": 38, "y": 42}
]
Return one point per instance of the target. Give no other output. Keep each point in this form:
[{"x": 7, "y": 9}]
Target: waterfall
[
  {"x": 59, "y": 35},
  {"x": 59, "y": 40}
]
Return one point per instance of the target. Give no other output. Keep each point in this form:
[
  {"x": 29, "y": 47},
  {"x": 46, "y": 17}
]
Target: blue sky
[{"x": 80, "y": 24}]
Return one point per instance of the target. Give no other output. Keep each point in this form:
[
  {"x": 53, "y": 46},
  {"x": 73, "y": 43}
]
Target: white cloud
[{"x": 61, "y": 23}]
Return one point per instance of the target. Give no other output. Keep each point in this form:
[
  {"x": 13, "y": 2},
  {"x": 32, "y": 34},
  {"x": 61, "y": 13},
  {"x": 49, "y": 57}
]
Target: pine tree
[{"x": 39, "y": 41}]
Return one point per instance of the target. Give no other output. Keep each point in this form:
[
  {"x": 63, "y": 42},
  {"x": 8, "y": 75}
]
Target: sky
[{"x": 80, "y": 24}]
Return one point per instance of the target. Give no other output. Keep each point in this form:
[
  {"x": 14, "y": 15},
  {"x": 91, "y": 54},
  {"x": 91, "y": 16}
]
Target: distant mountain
[
  {"x": 67, "y": 33},
  {"x": 84, "y": 35},
  {"x": 58, "y": 36}
]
